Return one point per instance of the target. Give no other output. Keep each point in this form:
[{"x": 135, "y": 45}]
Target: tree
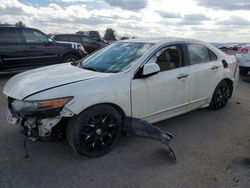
[
  {"x": 20, "y": 24},
  {"x": 110, "y": 34}
]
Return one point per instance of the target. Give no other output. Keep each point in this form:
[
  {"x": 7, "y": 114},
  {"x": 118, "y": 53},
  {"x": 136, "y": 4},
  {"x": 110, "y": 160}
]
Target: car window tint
[
  {"x": 213, "y": 57},
  {"x": 33, "y": 36},
  {"x": 60, "y": 38},
  {"x": 73, "y": 38},
  {"x": 9, "y": 36},
  {"x": 87, "y": 40},
  {"x": 170, "y": 58},
  {"x": 198, "y": 54}
]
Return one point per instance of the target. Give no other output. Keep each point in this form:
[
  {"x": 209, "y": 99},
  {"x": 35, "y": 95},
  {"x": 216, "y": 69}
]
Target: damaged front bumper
[{"x": 37, "y": 123}]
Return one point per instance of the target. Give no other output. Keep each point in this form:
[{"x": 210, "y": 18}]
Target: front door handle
[
  {"x": 182, "y": 76},
  {"x": 214, "y": 67}
]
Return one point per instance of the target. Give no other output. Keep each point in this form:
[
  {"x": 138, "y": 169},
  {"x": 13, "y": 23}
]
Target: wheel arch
[
  {"x": 71, "y": 53},
  {"x": 230, "y": 84},
  {"x": 117, "y": 107}
]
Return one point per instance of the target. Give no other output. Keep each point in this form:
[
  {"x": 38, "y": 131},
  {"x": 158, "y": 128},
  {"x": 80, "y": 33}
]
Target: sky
[{"x": 208, "y": 20}]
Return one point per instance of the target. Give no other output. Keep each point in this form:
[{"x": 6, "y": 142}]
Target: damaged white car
[{"x": 90, "y": 100}]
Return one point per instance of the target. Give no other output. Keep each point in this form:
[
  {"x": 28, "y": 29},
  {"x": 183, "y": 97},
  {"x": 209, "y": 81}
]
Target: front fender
[{"x": 113, "y": 89}]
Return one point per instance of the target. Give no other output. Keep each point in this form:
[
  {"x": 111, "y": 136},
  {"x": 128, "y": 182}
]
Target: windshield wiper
[{"x": 90, "y": 68}]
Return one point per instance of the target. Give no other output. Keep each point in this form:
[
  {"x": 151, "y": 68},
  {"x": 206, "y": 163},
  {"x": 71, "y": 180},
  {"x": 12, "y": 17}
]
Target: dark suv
[
  {"x": 89, "y": 44},
  {"x": 24, "y": 48}
]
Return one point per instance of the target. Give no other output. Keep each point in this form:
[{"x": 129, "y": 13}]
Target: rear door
[
  {"x": 39, "y": 50},
  {"x": 12, "y": 48},
  {"x": 204, "y": 73}
]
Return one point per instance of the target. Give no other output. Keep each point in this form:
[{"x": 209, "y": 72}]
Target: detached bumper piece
[{"x": 144, "y": 129}]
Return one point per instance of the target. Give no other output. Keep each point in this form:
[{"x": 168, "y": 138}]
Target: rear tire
[
  {"x": 70, "y": 58},
  {"x": 95, "y": 131},
  {"x": 221, "y": 96},
  {"x": 243, "y": 72}
]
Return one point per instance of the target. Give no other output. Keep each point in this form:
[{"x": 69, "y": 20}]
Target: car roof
[
  {"x": 13, "y": 26},
  {"x": 72, "y": 35}
]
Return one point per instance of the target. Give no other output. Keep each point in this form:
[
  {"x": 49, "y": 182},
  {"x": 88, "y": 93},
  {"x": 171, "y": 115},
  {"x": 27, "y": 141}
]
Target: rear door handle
[
  {"x": 214, "y": 67},
  {"x": 182, "y": 76}
]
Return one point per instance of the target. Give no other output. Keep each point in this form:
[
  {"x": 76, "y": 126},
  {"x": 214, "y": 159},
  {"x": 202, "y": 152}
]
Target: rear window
[{"x": 9, "y": 35}]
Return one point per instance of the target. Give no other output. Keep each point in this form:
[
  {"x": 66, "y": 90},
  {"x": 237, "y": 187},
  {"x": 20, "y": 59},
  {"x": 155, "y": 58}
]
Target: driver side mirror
[
  {"x": 50, "y": 41},
  {"x": 150, "y": 69}
]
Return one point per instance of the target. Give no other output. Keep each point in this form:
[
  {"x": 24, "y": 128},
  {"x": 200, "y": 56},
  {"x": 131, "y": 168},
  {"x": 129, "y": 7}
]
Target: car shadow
[{"x": 245, "y": 78}]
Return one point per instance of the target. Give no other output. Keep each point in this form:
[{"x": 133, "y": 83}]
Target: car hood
[{"x": 37, "y": 80}]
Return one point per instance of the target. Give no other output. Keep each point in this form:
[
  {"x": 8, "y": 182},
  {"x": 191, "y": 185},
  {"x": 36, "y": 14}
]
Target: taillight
[
  {"x": 239, "y": 50},
  {"x": 242, "y": 50}
]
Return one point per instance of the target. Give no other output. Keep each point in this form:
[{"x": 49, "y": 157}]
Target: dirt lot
[{"x": 212, "y": 148}]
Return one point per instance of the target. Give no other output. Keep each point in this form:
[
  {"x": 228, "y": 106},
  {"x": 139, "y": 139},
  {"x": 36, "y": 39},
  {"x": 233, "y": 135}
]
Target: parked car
[
  {"x": 89, "y": 44},
  {"x": 150, "y": 79},
  {"x": 92, "y": 34},
  {"x": 243, "y": 57},
  {"x": 25, "y": 48},
  {"x": 95, "y": 35}
]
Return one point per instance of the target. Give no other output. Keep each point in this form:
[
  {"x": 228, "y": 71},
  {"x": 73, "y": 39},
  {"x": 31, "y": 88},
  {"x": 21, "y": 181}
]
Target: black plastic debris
[{"x": 144, "y": 129}]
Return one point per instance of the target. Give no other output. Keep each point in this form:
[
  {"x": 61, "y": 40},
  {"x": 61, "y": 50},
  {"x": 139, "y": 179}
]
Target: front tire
[
  {"x": 95, "y": 131},
  {"x": 221, "y": 95}
]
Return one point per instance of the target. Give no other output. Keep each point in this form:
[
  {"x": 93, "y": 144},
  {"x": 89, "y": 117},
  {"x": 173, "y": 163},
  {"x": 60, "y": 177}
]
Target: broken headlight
[{"x": 49, "y": 107}]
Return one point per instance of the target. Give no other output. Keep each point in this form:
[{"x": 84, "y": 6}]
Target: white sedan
[{"x": 90, "y": 100}]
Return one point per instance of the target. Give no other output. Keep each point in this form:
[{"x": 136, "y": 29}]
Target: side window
[
  {"x": 9, "y": 35},
  {"x": 60, "y": 38},
  {"x": 198, "y": 54},
  {"x": 213, "y": 57},
  {"x": 87, "y": 40},
  {"x": 34, "y": 36},
  {"x": 169, "y": 58},
  {"x": 73, "y": 38}
]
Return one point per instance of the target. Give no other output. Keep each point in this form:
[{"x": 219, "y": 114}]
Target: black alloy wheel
[
  {"x": 221, "y": 95},
  {"x": 95, "y": 131}
]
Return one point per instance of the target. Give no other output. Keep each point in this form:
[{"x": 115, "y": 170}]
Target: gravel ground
[{"x": 212, "y": 149}]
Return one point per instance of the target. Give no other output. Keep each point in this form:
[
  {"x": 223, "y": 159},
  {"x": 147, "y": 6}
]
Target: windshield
[{"x": 116, "y": 57}]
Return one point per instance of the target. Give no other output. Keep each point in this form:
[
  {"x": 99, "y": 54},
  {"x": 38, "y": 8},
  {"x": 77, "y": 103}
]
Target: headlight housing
[{"x": 49, "y": 107}]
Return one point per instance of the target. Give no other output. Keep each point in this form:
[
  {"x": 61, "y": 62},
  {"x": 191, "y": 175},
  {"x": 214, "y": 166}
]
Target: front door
[
  {"x": 39, "y": 50},
  {"x": 165, "y": 94}
]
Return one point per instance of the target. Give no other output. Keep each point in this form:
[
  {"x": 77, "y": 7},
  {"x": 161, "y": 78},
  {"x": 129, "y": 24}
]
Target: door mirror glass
[
  {"x": 150, "y": 69},
  {"x": 50, "y": 40}
]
